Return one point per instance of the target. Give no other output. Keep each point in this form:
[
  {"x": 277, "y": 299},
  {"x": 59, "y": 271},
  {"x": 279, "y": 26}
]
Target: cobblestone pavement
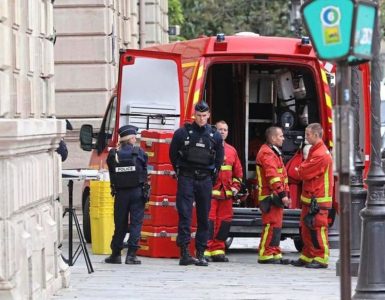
[{"x": 241, "y": 278}]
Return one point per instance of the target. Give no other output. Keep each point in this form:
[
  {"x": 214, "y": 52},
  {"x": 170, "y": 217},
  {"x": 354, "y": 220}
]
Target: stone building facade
[
  {"x": 30, "y": 216},
  {"x": 90, "y": 34},
  {"x": 40, "y": 83}
]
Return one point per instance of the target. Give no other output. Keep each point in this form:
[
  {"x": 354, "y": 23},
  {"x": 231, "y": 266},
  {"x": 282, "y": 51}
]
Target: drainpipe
[{"x": 142, "y": 24}]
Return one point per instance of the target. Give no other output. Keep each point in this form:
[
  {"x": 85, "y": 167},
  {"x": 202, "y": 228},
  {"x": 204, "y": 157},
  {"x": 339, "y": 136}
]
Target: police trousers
[
  {"x": 128, "y": 204},
  {"x": 199, "y": 190}
]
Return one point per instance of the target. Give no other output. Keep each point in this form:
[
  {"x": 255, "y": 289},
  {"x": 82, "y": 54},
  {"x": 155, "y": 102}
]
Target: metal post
[
  {"x": 70, "y": 218},
  {"x": 344, "y": 165},
  {"x": 358, "y": 193},
  {"x": 371, "y": 275}
]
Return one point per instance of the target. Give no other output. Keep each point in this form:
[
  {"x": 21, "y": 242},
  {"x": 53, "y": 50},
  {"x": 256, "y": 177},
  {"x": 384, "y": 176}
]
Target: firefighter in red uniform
[
  {"x": 227, "y": 185},
  {"x": 316, "y": 198},
  {"x": 272, "y": 196}
]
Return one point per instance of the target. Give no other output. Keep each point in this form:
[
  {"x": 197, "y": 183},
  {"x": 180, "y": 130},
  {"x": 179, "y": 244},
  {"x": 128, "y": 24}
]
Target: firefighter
[
  {"x": 196, "y": 153},
  {"x": 272, "y": 196},
  {"x": 226, "y": 187},
  {"x": 127, "y": 166},
  {"x": 316, "y": 172}
]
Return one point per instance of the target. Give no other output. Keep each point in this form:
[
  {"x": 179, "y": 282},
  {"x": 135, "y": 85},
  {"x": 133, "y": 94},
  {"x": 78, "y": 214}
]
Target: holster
[
  {"x": 308, "y": 220},
  {"x": 146, "y": 192},
  {"x": 314, "y": 207}
]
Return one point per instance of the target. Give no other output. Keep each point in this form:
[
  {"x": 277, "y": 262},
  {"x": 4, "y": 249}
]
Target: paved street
[{"x": 242, "y": 278}]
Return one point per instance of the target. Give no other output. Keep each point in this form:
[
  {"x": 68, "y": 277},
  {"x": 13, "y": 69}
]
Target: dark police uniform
[
  {"x": 196, "y": 154},
  {"x": 128, "y": 174}
]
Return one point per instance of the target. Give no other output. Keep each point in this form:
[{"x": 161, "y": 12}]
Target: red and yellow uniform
[
  {"x": 272, "y": 181},
  {"x": 317, "y": 175},
  {"x": 221, "y": 212}
]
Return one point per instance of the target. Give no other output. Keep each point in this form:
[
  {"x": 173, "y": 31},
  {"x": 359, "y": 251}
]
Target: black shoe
[
  {"x": 219, "y": 258},
  {"x": 298, "y": 263},
  {"x": 316, "y": 265},
  {"x": 113, "y": 259},
  {"x": 185, "y": 258},
  {"x": 201, "y": 261},
  {"x": 131, "y": 258},
  {"x": 274, "y": 261}
]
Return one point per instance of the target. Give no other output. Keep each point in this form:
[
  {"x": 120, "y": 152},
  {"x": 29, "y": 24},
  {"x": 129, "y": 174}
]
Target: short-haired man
[
  {"x": 272, "y": 195},
  {"x": 316, "y": 172},
  {"x": 227, "y": 185},
  {"x": 196, "y": 154}
]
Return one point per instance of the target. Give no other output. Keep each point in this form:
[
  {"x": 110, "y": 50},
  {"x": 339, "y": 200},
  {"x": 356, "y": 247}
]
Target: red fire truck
[{"x": 250, "y": 81}]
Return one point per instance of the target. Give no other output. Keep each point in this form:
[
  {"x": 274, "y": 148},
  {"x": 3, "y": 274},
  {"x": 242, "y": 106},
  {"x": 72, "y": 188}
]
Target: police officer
[
  {"x": 196, "y": 153},
  {"x": 128, "y": 173}
]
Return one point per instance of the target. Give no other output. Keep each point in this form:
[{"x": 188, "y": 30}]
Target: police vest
[
  {"x": 198, "y": 148},
  {"x": 129, "y": 171}
]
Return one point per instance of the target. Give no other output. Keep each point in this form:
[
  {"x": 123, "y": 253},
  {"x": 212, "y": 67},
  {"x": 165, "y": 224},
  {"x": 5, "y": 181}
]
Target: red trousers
[
  {"x": 315, "y": 239},
  {"x": 271, "y": 234},
  {"x": 220, "y": 216}
]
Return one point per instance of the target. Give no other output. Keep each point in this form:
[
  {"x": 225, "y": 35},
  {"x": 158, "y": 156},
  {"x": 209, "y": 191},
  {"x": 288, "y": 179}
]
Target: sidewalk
[{"x": 241, "y": 278}]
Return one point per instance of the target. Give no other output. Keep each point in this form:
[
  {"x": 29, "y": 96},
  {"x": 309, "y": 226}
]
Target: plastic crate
[
  {"x": 163, "y": 181},
  {"x": 102, "y": 229},
  {"x": 161, "y": 211},
  {"x": 156, "y": 144},
  {"x": 100, "y": 194},
  {"x": 161, "y": 242}
]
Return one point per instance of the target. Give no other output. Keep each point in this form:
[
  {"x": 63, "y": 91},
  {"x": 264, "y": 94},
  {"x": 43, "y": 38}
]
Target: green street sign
[
  {"x": 329, "y": 24},
  {"x": 366, "y": 16},
  {"x": 341, "y": 30}
]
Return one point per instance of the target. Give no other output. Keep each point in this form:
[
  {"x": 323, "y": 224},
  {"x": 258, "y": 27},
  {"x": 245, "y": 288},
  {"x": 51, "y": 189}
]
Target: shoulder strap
[{"x": 135, "y": 153}]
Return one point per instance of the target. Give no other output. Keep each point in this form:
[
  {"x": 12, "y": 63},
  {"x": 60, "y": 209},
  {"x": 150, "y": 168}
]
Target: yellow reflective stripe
[
  {"x": 218, "y": 193},
  {"x": 207, "y": 253},
  {"x": 277, "y": 256},
  {"x": 280, "y": 170},
  {"x": 259, "y": 183},
  {"x": 217, "y": 252},
  {"x": 326, "y": 181},
  {"x": 236, "y": 180},
  {"x": 286, "y": 180},
  {"x": 328, "y": 100},
  {"x": 325, "y": 259},
  {"x": 262, "y": 197},
  {"x": 226, "y": 168},
  {"x": 305, "y": 258},
  {"x": 263, "y": 244},
  {"x": 274, "y": 180},
  {"x": 319, "y": 200}
]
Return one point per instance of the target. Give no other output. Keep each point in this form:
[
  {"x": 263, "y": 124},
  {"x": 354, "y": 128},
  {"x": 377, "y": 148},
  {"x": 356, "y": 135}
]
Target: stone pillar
[{"x": 30, "y": 182}]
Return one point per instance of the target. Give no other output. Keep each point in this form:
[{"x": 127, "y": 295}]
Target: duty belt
[{"x": 196, "y": 174}]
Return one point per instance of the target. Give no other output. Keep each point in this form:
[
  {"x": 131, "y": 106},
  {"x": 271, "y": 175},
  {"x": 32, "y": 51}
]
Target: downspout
[{"x": 142, "y": 24}]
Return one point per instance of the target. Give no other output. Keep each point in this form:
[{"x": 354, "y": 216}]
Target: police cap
[
  {"x": 202, "y": 106},
  {"x": 127, "y": 130}
]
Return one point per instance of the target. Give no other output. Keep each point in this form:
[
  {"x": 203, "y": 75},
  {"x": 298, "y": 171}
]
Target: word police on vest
[
  {"x": 125, "y": 169},
  {"x": 126, "y": 131}
]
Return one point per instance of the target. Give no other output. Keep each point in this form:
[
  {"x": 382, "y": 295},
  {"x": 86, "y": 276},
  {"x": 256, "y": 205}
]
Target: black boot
[
  {"x": 131, "y": 258},
  {"x": 201, "y": 261},
  {"x": 114, "y": 258},
  {"x": 185, "y": 257}
]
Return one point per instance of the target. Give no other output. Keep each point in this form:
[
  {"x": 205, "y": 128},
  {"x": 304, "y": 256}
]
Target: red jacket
[
  {"x": 229, "y": 176},
  {"x": 271, "y": 173},
  {"x": 317, "y": 175}
]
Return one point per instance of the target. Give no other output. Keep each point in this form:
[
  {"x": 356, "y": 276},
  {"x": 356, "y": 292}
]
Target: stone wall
[
  {"x": 31, "y": 266},
  {"x": 89, "y": 36}
]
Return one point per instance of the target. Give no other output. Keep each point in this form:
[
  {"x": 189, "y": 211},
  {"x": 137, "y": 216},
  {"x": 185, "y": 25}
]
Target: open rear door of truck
[{"x": 150, "y": 90}]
